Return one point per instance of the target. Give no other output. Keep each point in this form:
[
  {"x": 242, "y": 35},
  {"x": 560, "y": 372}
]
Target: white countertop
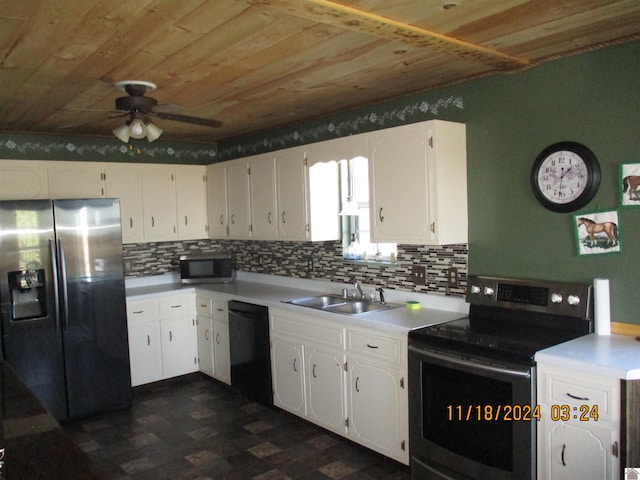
[
  {"x": 270, "y": 291},
  {"x": 615, "y": 356}
]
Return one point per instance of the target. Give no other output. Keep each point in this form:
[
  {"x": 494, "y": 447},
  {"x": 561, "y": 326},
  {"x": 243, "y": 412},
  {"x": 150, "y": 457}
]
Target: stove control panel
[{"x": 560, "y": 298}]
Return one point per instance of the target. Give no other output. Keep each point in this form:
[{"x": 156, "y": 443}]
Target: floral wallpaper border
[
  {"x": 370, "y": 118},
  {"x": 49, "y": 147}
]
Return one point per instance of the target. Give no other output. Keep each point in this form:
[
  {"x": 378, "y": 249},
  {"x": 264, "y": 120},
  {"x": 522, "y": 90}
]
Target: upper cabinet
[
  {"x": 418, "y": 183},
  {"x": 76, "y": 180},
  {"x": 217, "y": 200},
  {"x": 276, "y": 196},
  {"x": 191, "y": 201},
  {"x": 159, "y": 204},
  {"x": 23, "y": 180},
  {"x": 124, "y": 182}
]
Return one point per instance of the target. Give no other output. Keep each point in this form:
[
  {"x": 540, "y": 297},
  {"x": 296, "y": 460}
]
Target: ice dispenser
[{"x": 28, "y": 294}]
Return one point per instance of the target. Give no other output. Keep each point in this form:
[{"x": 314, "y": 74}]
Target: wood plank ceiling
[{"x": 257, "y": 64}]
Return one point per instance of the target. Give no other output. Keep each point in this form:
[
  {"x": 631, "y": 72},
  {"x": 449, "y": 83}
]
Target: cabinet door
[
  {"x": 263, "y": 198},
  {"x": 238, "y": 198},
  {"x": 288, "y": 375},
  {"x": 291, "y": 180},
  {"x": 76, "y": 180},
  {"x": 23, "y": 180},
  {"x": 159, "y": 203},
  {"x": 325, "y": 388},
  {"x": 123, "y": 182},
  {"x": 191, "y": 202},
  {"x": 205, "y": 344},
  {"x": 399, "y": 181},
  {"x": 376, "y": 417},
  {"x": 221, "y": 358},
  {"x": 179, "y": 345},
  {"x": 577, "y": 451},
  {"x": 145, "y": 352},
  {"x": 217, "y": 200}
]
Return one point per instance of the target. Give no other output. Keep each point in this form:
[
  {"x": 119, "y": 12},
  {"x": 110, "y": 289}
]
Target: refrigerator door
[
  {"x": 31, "y": 330},
  {"x": 93, "y": 311}
]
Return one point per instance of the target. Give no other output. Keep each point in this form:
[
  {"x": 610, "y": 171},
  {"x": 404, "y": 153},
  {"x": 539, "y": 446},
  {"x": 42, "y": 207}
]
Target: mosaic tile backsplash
[{"x": 317, "y": 260}]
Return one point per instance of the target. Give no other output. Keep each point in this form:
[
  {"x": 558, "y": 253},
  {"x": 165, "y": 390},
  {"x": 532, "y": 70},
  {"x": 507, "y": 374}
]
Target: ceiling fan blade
[{"x": 188, "y": 119}]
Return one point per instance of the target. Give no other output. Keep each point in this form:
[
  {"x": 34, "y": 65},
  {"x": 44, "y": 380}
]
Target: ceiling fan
[{"x": 139, "y": 108}]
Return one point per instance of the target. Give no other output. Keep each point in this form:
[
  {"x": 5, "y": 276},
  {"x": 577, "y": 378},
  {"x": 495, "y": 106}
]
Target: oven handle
[{"x": 470, "y": 363}]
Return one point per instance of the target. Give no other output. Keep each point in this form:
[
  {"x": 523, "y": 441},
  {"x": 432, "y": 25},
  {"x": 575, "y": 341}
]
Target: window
[{"x": 356, "y": 229}]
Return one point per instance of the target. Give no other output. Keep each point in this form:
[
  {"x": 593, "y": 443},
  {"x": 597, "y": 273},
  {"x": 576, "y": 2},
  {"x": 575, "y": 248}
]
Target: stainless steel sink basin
[{"x": 338, "y": 304}]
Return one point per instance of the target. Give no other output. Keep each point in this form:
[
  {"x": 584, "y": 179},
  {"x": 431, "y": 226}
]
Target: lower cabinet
[
  {"x": 351, "y": 381},
  {"x": 213, "y": 336},
  {"x": 162, "y": 337},
  {"x": 578, "y": 432}
]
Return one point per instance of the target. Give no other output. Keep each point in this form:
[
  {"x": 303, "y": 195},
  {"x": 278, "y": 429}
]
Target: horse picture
[
  {"x": 610, "y": 229},
  {"x": 630, "y": 184}
]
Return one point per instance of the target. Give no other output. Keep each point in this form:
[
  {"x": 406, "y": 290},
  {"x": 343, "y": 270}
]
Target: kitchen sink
[{"x": 337, "y": 304}]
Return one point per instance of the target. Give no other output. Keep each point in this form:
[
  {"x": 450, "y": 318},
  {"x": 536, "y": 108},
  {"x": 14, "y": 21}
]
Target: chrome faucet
[{"x": 357, "y": 285}]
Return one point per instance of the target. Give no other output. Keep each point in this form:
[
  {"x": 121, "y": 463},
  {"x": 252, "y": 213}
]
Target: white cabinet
[
  {"x": 418, "y": 183},
  {"x": 145, "y": 351},
  {"x": 263, "y": 197},
  {"x": 123, "y": 182},
  {"x": 213, "y": 336},
  {"x": 162, "y": 337},
  {"x": 191, "y": 201},
  {"x": 238, "y": 200},
  {"x": 291, "y": 181},
  {"x": 217, "y": 200},
  {"x": 23, "y": 180},
  {"x": 288, "y": 375},
  {"x": 352, "y": 382},
  {"x": 579, "y": 428},
  {"x": 159, "y": 204},
  {"x": 76, "y": 180},
  {"x": 377, "y": 393}
]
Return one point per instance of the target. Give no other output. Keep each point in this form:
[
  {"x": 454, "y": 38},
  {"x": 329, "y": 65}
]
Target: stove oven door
[{"x": 470, "y": 419}]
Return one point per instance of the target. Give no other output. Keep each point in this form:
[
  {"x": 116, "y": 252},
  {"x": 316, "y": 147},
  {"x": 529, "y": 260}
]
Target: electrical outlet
[
  {"x": 452, "y": 276},
  {"x": 419, "y": 274}
]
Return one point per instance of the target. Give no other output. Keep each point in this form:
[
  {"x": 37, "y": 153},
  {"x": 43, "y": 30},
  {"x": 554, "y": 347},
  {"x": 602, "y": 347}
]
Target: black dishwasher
[{"x": 249, "y": 351}]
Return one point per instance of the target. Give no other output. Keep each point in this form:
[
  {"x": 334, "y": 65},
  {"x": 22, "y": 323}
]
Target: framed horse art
[
  {"x": 597, "y": 233},
  {"x": 630, "y": 184}
]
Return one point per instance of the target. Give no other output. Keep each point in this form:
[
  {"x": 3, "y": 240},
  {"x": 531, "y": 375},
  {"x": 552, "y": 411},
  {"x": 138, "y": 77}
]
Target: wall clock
[{"x": 565, "y": 176}]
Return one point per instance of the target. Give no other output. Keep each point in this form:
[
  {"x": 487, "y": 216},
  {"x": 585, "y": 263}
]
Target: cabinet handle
[
  {"x": 148, "y": 341},
  {"x": 220, "y": 309},
  {"x": 153, "y": 221},
  {"x": 564, "y": 446},
  {"x": 372, "y": 346},
  {"x": 233, "y": 219},
  {"x": 176, "y": 306},
  {"x": 295, "y": 367},
  {"x": 269, "y": 218},
  {"x": 313, "y": 371},
  {"x": 221, "y": 219},
  {"x": 283, "y": 217},
  {"x": 137, "y": 312},
  {"x": 575, "y": 397},
  {"x": 432, "y": 227},
  {"x": 130, "y": 222},
  {"x": 170, "y": 336},
  {"x": 186, "y": 220},
  {"x": 217, "y": 339},
  {"x": 206, "y": 335},
  {"x": 380, "y": 215},
  {"x": 357, "y": 389}
]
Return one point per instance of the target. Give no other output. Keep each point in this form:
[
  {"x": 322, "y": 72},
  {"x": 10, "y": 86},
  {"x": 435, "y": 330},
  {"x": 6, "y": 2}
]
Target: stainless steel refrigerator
[{"x": 62, "y": 295}]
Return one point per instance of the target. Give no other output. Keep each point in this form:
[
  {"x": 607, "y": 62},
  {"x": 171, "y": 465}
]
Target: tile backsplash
[{"x": 317, "y": 260}]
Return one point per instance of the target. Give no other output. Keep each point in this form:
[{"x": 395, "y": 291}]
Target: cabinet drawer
[
  {"x": 383, "y": 347},
  {"x": 582, "y": 392},
  {"x": 319, "y": 333},
  {"x": 176, "y": 305},
  {"x": 142, "y": 310},
  {"x": 220, "y": 310},
  {"x": 204, "y": 305}
]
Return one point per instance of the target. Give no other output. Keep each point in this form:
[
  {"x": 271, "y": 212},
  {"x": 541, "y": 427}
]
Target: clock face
[{"x": 565, "y": 176}]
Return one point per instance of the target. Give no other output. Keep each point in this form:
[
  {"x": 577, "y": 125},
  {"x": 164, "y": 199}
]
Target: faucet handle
[{"x": 381, "y": 294}]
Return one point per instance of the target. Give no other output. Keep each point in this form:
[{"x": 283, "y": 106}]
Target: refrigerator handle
[
  {"x": 63, "y": 284},
  {"x": 56, "y": 283}
]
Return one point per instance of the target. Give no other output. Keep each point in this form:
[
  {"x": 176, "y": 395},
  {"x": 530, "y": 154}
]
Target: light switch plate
[{"x": 419, "y": 274}]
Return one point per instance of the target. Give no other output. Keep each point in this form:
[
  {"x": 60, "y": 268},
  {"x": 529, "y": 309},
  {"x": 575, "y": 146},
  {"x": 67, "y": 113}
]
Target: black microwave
[{"x": 206, "y": 268}]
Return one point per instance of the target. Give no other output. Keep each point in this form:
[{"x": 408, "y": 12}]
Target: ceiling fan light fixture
[
  {"x": 153, "y": 132},
  {"x": 137, "y": 129},
  {"x": 122, "y": 132}
]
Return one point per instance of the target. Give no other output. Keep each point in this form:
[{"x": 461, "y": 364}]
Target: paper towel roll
[{"x": 601, "y": 306}]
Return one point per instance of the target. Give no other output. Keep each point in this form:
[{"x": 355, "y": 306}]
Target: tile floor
[{"x": 194, "y": 428}]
